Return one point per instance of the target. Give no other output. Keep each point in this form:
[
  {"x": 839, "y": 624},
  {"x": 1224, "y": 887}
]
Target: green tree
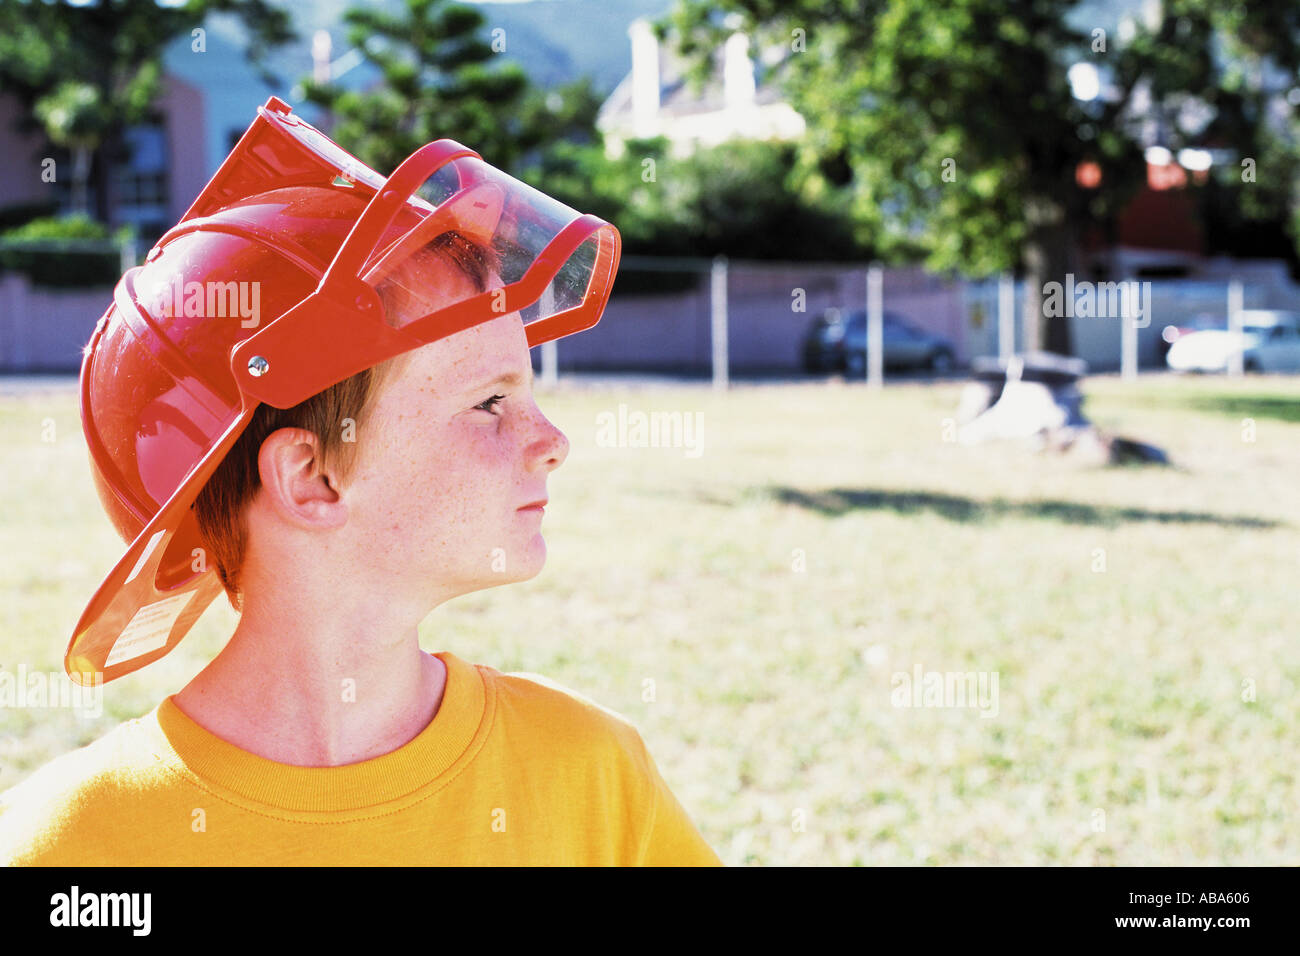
[
  {"x": 1225, "y": 77},
  {"x": 734, "y": 198},
  {"x": 84, "y": 73},
  {"x": 438, "y": 79},
  {"x": 951, "y": 132},
  {"x": 76, "y": 119}
]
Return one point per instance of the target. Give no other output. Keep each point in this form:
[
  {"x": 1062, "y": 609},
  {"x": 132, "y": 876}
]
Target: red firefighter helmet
[{"x": 272, "y": 288}]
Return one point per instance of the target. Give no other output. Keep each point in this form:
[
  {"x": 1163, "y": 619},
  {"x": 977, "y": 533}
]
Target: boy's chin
[
  {"x": 529, "y": 567},
  {"x": 514, "y": 567}
]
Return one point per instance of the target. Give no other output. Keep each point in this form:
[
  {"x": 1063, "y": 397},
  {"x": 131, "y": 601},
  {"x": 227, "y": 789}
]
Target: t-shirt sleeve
[
  {"x": 653, "y": 827},
  {"x": 673, "y": 839}
]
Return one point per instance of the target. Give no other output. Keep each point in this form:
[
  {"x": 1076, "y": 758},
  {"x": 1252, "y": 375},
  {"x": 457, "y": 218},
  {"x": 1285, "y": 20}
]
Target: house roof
[{"x": 679, "y": 97}]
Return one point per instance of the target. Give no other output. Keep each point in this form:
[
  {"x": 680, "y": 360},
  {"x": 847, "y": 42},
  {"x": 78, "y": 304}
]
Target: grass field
[{"x": 1142, "y": 621}]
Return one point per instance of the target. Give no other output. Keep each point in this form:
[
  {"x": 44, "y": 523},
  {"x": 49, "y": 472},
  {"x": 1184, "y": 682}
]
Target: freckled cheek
[{"x": 454, "y": 483}]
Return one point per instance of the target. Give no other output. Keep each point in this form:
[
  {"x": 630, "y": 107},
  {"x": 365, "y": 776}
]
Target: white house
[{"x": 655, "y": 99}]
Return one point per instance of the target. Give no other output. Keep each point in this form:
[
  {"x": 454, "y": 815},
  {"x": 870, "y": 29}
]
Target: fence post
[
  {"x": 718, "y": 301},
  {"x": 1236, "y": 301},
  {"x": 550, "y": 364},
  {"x": 1128, "y": 340},
  {"x": 875, "y": 326},
  {"x": 129, "y": 251},
  {"x": 1006, "y": 316},
  {"x": 550, "y": 360}
]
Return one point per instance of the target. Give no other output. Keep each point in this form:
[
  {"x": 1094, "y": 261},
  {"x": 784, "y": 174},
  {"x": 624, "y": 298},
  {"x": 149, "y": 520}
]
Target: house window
[{"x": 141, "y": 180}]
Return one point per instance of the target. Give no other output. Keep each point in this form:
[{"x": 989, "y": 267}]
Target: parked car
[
  {"x": 1175, "y": 330},
  {"x": 837, "y": 342},
  {"x": 1269, "y": 341}
]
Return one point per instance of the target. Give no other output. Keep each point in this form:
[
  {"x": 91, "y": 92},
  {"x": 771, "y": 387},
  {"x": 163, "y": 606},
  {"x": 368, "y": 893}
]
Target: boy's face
[{"x": 433, "y": 502}]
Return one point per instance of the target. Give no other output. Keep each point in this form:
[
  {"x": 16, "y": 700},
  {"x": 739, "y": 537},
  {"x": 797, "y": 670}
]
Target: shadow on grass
[
  {"x": 837, "y": 501},
  {"x": 1247, "y": 406}
]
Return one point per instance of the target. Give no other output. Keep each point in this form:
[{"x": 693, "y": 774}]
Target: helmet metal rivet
[{"x": 258, "y": 366}]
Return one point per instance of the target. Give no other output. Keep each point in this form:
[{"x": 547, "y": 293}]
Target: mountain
[{"x": 555, "y": 41}]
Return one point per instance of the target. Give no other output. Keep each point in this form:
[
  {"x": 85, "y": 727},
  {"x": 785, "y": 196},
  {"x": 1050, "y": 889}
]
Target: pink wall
[
  {"x": 182, "y": 105},
  {"x": 764, "y": 330},
  {"x": 21, "y": 182},
  {"x": 44, "y": 330}
]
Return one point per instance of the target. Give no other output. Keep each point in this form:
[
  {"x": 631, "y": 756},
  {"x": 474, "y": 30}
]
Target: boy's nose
[
  {"x": 551, "y": 444},
  {"x": 560, "y": 444}
]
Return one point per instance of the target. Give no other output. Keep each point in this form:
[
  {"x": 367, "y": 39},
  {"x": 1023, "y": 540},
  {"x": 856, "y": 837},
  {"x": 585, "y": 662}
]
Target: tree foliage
[
  {"x": 952, "y": 135},
  {"x": 735, "y": 199},
  {"x": 438, "y": 77},
  {"x": 84, "y": 73}
]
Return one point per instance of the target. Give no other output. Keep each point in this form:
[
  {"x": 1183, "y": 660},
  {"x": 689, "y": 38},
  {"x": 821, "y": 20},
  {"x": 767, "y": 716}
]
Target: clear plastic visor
[{"x": 477, "y": 233}]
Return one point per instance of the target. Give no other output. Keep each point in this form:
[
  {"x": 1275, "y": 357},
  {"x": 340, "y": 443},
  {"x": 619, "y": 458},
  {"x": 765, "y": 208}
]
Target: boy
[{"x": 372, "y": 451}]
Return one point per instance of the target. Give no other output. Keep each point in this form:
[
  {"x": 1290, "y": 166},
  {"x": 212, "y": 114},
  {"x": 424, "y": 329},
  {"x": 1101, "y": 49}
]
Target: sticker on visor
[{"x": 148, "y": 629}]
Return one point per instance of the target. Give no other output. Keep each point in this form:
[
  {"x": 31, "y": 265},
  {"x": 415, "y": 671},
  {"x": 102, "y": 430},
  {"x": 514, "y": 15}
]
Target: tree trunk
[
  {"x": 107, "y": 156},
  {"x": 80, "y": 180},
  {"x": 1048, "y": 256}
]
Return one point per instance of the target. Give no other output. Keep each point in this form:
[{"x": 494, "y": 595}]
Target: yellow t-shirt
[{"x": 512, "y": 770}]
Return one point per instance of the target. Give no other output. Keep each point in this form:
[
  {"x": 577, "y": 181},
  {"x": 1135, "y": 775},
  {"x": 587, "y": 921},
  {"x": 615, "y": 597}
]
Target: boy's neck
[{"x": 323, "y": 696}]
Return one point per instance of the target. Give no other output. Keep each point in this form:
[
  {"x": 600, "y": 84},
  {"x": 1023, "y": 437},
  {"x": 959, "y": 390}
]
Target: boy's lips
[{"x": 538, "y": 505}]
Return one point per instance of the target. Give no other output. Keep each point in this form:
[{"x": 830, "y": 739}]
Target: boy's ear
[{"x": 296, "y": 485}]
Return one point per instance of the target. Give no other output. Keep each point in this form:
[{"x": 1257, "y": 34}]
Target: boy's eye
[{"x": 488, "y": 404}]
